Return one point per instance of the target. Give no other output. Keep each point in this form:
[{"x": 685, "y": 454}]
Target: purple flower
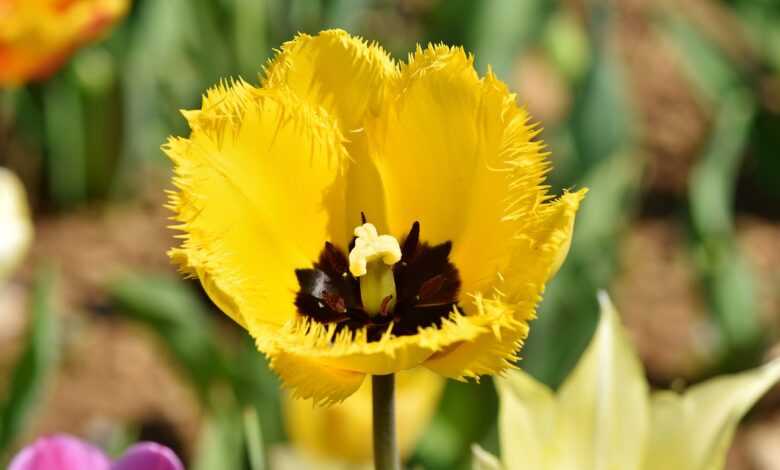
[{"x": 62, "y": 452}]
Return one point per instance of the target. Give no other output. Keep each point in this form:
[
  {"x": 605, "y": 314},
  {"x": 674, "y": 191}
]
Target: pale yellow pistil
[{"x": 372, "y": 261}]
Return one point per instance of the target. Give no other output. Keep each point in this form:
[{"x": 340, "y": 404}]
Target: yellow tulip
[
  {"x": 359, "y": 216},
  {"x": 604, "y": 417},
  {"x": 342, "y": 433},
  {"x": 17, "y": 229},
  {"x": 38, "y": 36}
]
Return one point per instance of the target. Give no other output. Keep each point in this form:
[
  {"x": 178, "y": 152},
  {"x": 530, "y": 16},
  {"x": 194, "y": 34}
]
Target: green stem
[{"x": 385, "y": 448}]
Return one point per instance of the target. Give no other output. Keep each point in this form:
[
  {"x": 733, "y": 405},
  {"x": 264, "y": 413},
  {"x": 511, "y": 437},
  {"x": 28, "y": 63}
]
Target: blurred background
[{"x": 668, "y": 110}]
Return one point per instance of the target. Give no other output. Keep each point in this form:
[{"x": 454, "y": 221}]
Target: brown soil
[{"x": 657, "y": 294}]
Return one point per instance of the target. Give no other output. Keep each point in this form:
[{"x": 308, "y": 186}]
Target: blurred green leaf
[
  {"x": 445, "y": 445},
  {"x": 569, "y": 311},
  {"x": 250, "y": 36},
  {"x": 306, "y": 15},
  {"x": 257, "y": 387},
  {"x": 95, "y": 75},
  {"x": 602, "y": 122},
  {"x": 601, "y": 136},
  {"x": 254, "y": 440},
  {"x": 29, "y": 376},
  {"x": 764, "y": 166},
  {"x": 704, "y": 62},
  {"x": 726, "y": 276},
  {"x": 567, "y": 44},
  {"x": 345, "y": 14},
  {"x": 175, "y": 313},
  {"x": 713, "y": 179},
  {"x": 66, "y": 150},
  {"x": 221, "y": 445},
  {"x": 505, "y": 29}
]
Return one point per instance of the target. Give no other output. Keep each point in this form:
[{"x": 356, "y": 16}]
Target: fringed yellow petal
[
  {"x": 494, "y": 350},
  {"x": 346, "y": 76},
  {"x": 307, "y": 377},
  {"x": 341, "y": 432},
  {"x": 251, "y": 180},
  {"x": 387, "y": 355},
  {"x": 540, "y": 247},
  {"x": 457, "y": 154}
]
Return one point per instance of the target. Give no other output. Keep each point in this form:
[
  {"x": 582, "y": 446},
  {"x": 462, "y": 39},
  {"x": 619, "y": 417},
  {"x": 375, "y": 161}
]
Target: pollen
[{"x": 370, "y": 246}]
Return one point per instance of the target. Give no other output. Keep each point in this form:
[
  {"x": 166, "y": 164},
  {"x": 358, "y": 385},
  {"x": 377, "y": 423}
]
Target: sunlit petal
[
  {"x": 347, "y": 77},
  {"x": 251, "y": 179},
  {"x": 604, "y": 402},
  {"x": 308, "y": 377},
  {"x": 493, "y": 350},
  {"x": 694, "y": 430},
  {"x": 527, "y": 422},
  {"x": 457, "y": 154}
]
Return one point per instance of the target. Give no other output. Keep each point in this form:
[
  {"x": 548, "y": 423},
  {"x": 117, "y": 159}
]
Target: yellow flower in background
[
  {"x": 359, "y": 216},
  {"x": 342, "y": 433},
  {"x": 17, "y": 229},
  {"x": 38, "y": 36},
  {"x": 603, "y": 417}
]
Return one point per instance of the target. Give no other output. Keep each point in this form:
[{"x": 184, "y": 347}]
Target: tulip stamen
[
  {"x": 371, "y": 261},
  {"x": 411, "y": 285}
]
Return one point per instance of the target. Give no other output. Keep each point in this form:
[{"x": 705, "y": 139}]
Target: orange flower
[{"x": 38, "y": 36}]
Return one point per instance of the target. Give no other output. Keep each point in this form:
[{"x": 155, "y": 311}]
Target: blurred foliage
[
  {"x": 228, "y": 377},
  {"x": 89, "y": 133},
  {"x": 30, "y": 375}
]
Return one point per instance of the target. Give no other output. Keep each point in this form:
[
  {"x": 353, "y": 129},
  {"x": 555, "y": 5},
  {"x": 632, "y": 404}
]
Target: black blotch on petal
[
  {"x": 426, "y": 266},
  {"x": 427, "y": 287}
]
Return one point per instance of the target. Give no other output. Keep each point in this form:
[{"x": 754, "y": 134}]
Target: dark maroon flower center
[{"x": 427, "y": 286}]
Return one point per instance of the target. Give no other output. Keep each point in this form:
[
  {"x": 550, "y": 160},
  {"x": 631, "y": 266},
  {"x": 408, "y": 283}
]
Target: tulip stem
[{"x": 385, "y": 448}]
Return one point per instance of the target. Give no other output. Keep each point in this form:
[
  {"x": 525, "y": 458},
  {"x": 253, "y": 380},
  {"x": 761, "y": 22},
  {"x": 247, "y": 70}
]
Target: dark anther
[
  {"x": 430, "y": 287},
  {"x": 335, "y": 302},
  {"x": 427, "y": 287},
  {"x": 385, "y": 307},
  {"x": 410, "y": 242}
]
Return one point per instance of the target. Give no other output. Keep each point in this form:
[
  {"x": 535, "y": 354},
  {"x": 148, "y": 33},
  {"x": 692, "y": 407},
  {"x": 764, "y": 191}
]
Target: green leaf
[
  {"x": 602, "y": 121},
  {"x": 694, "y": 430},
  {"x": 221, "y": 445},
  {"x": 726, "y": 276},
  {"x": 175, "y": 313},
  {"x": 250, "y": 36},
  {"x": 569, "y": 311},
  {"x": 484, "y": 460},
  {"x": 37, "y": 361},
  {"x": 604, "y": 402},
  {"x": 714, "y": 178},
  {"x": 455, "y": 426},
  {"x": 707, "y": 65},
  {"x": 254, "y": 439},
  {"x": 504, "y": 29},
  {"x": 66, "y": 163}
]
